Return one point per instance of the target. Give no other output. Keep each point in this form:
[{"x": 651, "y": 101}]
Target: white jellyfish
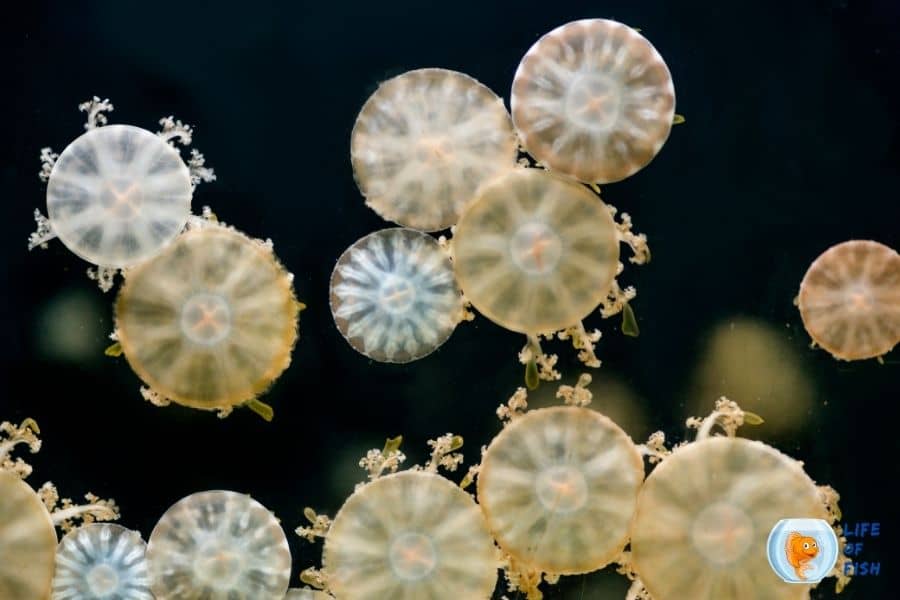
[
  {"x": 394, "y": 297},
  {"x": 118, "y": 194},
  {"x": 101, "y": 562},
  {"x": 218, "y": 545}
]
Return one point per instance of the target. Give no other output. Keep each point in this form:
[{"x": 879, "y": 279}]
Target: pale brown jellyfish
[
  {"x": 394, "y": 297},
  {"x": 27, "y": 541},
  {"x": 424, "y": 142},
  {"x": 536, "y": 253},
  {"x": 558, "y": 488},
  {"x": 593, "y": 99},
  {"x": 211, "y": 322},
  {"x": 411, "y": 535},
  {"x": 218, "y": 545},
  {"x": 118, "y": 194},
  {"x": 850, "y": 300},
  {"x": 705, "y": 512},
  {"x": 306, "y": 594}
]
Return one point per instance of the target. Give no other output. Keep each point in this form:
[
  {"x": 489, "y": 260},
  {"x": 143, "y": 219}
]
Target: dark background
[{"x": 791, "y": 145}]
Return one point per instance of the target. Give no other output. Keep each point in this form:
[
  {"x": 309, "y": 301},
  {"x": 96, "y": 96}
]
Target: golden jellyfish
[
  {"x": 101, "y": 561},
  {"x": 705, "y": 512},
  {"x": 558, "y": 488},
  {"x": 394, "y": 297},
  {"x": 536, "y": 253},
  {"x": 118, "y": 194},
  {"x": 306, "y": 594},
  {"x": 424, "y": 142},
  {"x": 850, "y": 300},
  {"x": 413, "y": 535},
  {"x": 593, "y": 99},
  {"x": 210, "y": 322},
  {"x": 27, "y": 541},
  {"x": 218, "y": 545}
]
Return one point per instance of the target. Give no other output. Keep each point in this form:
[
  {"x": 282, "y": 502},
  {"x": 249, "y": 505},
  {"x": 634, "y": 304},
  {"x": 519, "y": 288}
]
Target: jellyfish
[
  {"x": 558, "y": 488},
  {"x": 850, "y": 300},
  {"x": 28, "y": 519},
  {"x": 306, "y": 594},
  {"x": 394, "y": 297},
  {"x": 411, "y": 535},
  {"x": 27, "y": 541},
  {"x": 218, "y": 545},
  {"x": 210, "y": 322},
  {"x": 118, "y": 194},
  {"x": 100, "y": 562},
  {"x": 705, "y": 512},
  {"x": 536, "y": 253},
  {"x": 424, "y": 142},
  {"x": 594, "y": 100}
]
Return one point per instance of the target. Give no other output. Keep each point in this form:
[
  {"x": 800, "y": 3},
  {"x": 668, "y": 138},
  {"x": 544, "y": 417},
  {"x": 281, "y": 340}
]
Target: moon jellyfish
[
  {"x": 850, "y": 300},
  {"x": 705, "y": 512},
  {"x": 593, "y": 99},
  {"x": 101, "y": 562},
  {"x": 412, "y": 535},
  {"x": 218, "y": 545},
  {"x": 425, "y": 141},
  {"x": 27, "y": 541},
  {"x": 211, "y": 322},
  {"x": 394, "y": 297},
  {"x": 118, "y": 194},
  {"x": 558, "y": 488},
  {"x": 536, "y": 253}
]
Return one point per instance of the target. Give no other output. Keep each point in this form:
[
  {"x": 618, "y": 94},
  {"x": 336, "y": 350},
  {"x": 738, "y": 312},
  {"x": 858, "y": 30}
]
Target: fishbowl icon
[{"x": 802, "y": 550}]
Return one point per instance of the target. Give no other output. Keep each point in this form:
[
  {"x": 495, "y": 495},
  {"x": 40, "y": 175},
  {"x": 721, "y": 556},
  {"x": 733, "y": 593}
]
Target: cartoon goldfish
[{"x": 800, "y": 550}]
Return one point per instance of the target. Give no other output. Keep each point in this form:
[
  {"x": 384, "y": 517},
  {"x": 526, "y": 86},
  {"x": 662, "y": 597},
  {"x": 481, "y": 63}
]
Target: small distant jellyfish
[
  {"x": 536, "y": 253},
  {"x": 850, "y": 300},
  {"x": 424, "y": 142},
  {"x": 558, "y": 488},
  {"x": 118, "y": 194},
  {"x": 27, "y": 541},
  {"x": 705, "y": 512},
  {"x": 593, "y": 99},
  {"x": 394, "y": 297},
  {"x": 101, "y": 562},
  {"x": 211, "y": 322},
  {"x": 412, "y": 535},
  {"x": 218, "y": 545}
]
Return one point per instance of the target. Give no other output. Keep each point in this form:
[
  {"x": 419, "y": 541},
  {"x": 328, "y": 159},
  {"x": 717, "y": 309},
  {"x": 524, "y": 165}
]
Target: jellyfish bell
[
  {"x": 704, "y": 515},
  {"x": 394, "y": 297},
  {"x": 558, "y": 488},
  {"x": 849, "y": 300},
  {"x": 211, "y": 321},
  {"x": 218, "y": 545},
  {"x": 101, "y": 561},
  {"x": 594, "y": 100},
  {"x": 414, "y": 535},
  {"x": 534, "y": 252},
  {"x": 117, "y": 195},
  {"x": 27, "y": 541},
  {"x": 306, "y": 594},
  {"x": 424, "y": 142}
]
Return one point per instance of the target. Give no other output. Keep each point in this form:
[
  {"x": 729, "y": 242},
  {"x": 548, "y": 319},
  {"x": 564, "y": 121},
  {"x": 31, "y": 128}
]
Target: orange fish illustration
[{"x": 800, "y": 550}]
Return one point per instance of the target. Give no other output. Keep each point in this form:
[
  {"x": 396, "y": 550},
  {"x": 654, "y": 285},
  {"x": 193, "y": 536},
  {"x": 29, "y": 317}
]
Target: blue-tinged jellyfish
[{"x": 101, "y": 562}]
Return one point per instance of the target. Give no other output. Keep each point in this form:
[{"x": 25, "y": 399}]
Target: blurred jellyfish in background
[
  {"x": 218, "y": 545},
  {"x": 210, "y": 322},
  {"x": 118, "y": 194},
  {"x": 71, "y": 327},
  {"x": 394, "y": 297},
  {"x": 424, "y": 142},
  {"x": 753, "y": 363},
  {"x": 850, "y": 300}
]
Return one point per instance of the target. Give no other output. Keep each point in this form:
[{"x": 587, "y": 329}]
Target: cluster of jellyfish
[
  {"x": 206, "y": 316},
  {"x": 533, "y": 247}
]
